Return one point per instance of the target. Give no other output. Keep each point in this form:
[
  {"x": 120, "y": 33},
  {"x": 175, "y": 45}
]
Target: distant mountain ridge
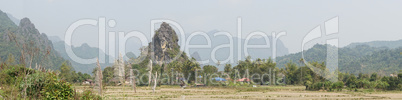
[
  {"x": 12, "y": 18},
  {"x": 55, "y": 39},
  {"x": 356, "y": 58},
  {"x": 84, "y": 51},
  {"x": 389, "y": 44}
]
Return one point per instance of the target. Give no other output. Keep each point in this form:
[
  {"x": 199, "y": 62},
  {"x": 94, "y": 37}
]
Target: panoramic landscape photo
[{"x": 203, "y": 50}]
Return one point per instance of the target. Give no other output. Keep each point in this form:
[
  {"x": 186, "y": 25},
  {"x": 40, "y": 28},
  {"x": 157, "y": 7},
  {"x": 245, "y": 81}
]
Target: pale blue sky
[{"x": 359, "y": 20}]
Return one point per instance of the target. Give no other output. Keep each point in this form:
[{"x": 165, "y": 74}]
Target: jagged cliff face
[
  {"x": 163, "y": 53},
  {"x": 25, "y": 37},
  {"x": 164, "y": 46},
  {"x": 31, "y": 34}
]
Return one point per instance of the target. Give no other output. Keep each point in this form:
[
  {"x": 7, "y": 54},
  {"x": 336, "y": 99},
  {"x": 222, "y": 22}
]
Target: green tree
[
  {"x": 65, "y": 72},
  {"x": 351, "y": 81},
  {"x": 209, "y": 69},
  {"x": 189, "y": 68},
  {"x": 74, "y": 77},
  {"x": 382, "y": 85},
  {"x": 290, "y": 73},
  {"x": 338, "y": 85},
  {"x": 228, "y": 68},
  {"x": 80, "y": 77},
  {"x": 108, "y": 75},
  {"x": 373, "y": 77}
]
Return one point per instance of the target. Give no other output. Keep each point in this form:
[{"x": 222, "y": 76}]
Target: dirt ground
[{"x": 219, "y": 93}]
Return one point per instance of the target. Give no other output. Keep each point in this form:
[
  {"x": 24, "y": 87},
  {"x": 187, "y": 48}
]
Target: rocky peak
[
  {"x": 31, "y": 41},
  {"x": 26, "y": 27},
  {"x": 164, "y": 43},
  {"x": 25, "y": 21},
  {"x": 165, "y": 37},
  {"x": 27, "y": 30}
]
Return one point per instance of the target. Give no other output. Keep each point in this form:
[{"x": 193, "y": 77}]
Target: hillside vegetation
[
  {"x": 27, "y": 45},
  {"x": 353, "y": 59}
]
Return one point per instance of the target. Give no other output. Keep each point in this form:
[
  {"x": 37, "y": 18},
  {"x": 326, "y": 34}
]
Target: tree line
[{"x": 292, "y": 74}]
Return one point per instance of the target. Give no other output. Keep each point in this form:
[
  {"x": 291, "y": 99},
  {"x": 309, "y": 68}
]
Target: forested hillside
[
  {"x": 354, "y": 59},
  {"x": 26, "y": 44}
]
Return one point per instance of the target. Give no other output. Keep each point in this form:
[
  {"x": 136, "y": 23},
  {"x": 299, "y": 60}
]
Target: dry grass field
[{"x": 219, "y": 93}]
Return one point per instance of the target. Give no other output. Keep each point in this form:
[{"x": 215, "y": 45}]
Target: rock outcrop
[{"x": 164, "y": 46}]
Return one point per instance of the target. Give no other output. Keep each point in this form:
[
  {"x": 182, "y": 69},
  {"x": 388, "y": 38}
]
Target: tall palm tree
[{"x": 301, "y": 69}]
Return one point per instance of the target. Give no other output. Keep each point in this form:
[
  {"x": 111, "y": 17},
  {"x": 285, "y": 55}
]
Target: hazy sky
[{"x": 359, "y": 20}]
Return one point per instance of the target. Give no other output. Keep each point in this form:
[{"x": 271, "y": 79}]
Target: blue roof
[{"x": 219, "y": 79}]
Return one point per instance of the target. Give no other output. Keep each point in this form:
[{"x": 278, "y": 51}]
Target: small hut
[{"x": 87, "y": 82}]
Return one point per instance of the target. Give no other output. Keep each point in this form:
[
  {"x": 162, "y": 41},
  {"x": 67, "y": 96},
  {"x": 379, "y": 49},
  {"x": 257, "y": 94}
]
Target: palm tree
[
  {"x": 228, "y": 68},
  {"x": 301, "y": 69}
]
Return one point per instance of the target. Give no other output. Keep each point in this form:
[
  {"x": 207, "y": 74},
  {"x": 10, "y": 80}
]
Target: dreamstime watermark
[{"x": 331, "y": 27}]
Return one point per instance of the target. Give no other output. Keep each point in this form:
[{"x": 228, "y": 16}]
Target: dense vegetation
[
  {"x": 20, "y": 82},
  {"x": 27, "y": 64},
  {"x": 68, "y": 74},
  {"x": 354, "y": 59},
  {"x": 292, "y": 74},
  {"x": 303, "y": 75}
]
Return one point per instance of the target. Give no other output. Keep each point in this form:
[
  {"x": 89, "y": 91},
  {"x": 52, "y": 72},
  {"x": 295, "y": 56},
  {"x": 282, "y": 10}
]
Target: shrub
[
  {"x": 58, "y": 90},
  {"x": 382, "y": 85},
  {"x": 338, "y": 86},
  {"x": 363, "y": 83},
  {"x": 400, "y": 87},
  {"x": 316, "y": 86},
  {"x": 47, "y": 86},
  {"x": 327, "y": 85},
  {"x": 88, "y": 95},
  {"x": 19, "y": 82},
  {"x": 33, "y": 84}
]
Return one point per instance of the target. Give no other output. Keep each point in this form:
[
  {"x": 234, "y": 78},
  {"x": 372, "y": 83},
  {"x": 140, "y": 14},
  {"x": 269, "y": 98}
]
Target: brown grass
[{"x": 218, "y": 93}]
